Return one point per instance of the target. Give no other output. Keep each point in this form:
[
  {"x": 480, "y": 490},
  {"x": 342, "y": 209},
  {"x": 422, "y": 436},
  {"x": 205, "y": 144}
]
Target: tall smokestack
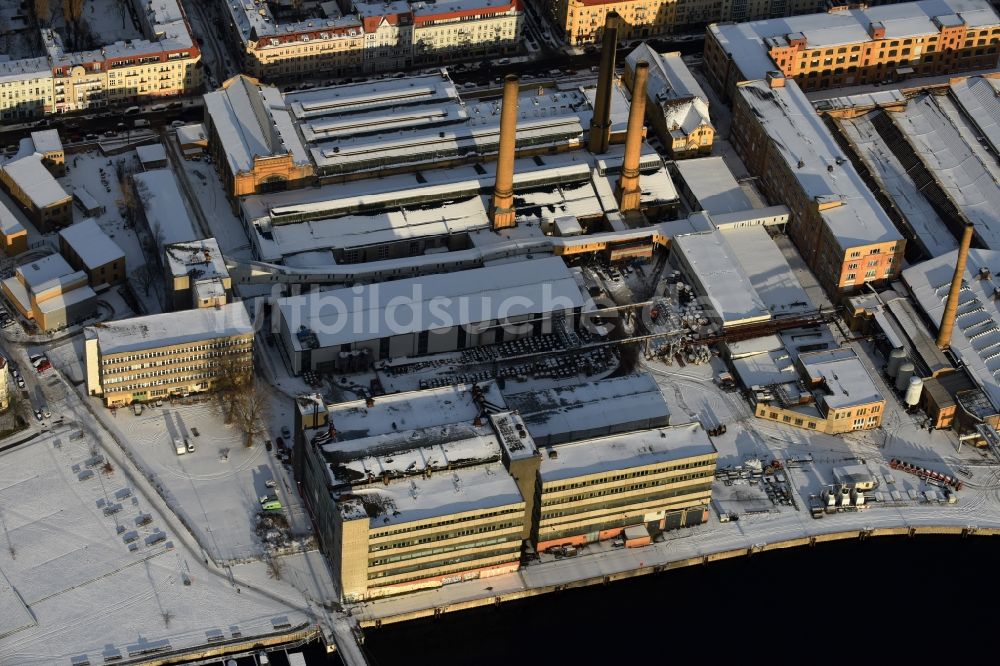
[
  {"x": 502, "y": 205},
  {"x": 600, "y": 124},
  {"x": 629, "y": 194},
  {"x": 951, "y": 305}
]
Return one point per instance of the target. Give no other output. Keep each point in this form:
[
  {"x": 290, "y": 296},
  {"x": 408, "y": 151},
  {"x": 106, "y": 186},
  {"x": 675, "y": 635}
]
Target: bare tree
[
  {"x": 144, "y": 277},
  {"x": 250, "y": 412},
  {"x": 274, "y": 567},
  {"x": 72, "y": 9},
  {"x": 234, "y": 377}
]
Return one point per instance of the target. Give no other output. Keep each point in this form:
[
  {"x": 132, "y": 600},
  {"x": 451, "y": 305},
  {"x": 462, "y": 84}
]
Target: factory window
[
  {"x": 798, "y": 422},
  {"x": 786, "y": 418},
  {"x": 812, "y": 424},
  {"x": 851, "y": 277},
  {"x": 774, "y": 415}
]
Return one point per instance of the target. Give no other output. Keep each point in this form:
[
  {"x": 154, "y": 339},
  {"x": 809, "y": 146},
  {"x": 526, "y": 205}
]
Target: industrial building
[
  {"x": 657, "y": 480},
  {"x": 196, "y": 274},
  {"x": 366, "y": 37},
  {"x": 973, "y": 337},
  {"x": 49, "y": 292},
  {"x": 161, "y": 355},
  {"x": 43, "y": 198},
  {"x": 838, "y": 225},
  {"x": 421, "y": 489},
  {"x": 828, "y": 390},
  {"x": 165, "y": 62},
  {"x": 87, "y": 248},
  {"x": 932, "y": 153},
  {"x": 855, "y": 44},
  {"x": 437, "y": 313},
  {"x": 676, "y": 105},
  {"x": 49, "y": 146}
]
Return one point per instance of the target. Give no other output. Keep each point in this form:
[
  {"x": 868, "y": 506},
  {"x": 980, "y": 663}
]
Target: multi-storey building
[
  {"x": 655, "y": 480},
  {"x": 373, "y": 37},
  {"x": 25, "y": 88},
  {"x": 145, "y": 358},
  {"x": 849, "y": 46},
  {"x": 4, "y": 384},
  {"x": 676, "y": 106},
  {"x": 12, "y": 233},
  {"x": 839, "y": 227},
  {"x": 89, "y": 249},
  {"x": 196, "y": 274},
  {"x": 253, "y": 139},
  {"x": 166, "y": 62},
  {"x": 51, "y": 293},
  {"x": 840, "y": 395}
]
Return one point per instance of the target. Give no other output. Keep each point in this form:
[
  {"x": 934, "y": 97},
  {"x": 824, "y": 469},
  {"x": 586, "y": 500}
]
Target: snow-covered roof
[
  {"x": 200, "y": 259},
  {"x": 767, "y": 269},
  {"x": 255, "y": 22},
  {"x": 818, "y": 164},
  {"x": 47, "y": 141},
  {"x": 409, "y": 420},
  {"x": 712, "y": 185},
  {"x": 172, "y": 328},
  {"x": 67, "y": 299},
  {"x": 39, "y": 271},
  {"x": 94, "y": 247},
  {"x": 624, "y": 451},
  {"x": 371, "y": 312},
  {"x": 929, "y": 125},
  {"x": 86, "y": 199},
  {"x": 164, "y": 205},
  {"x": 9, "y": 224},
  {"x": 615, "y": 404},
  {"x": 669, "y": 77},
  {"x": 151, "y": 153},
  {"x": 36, "y": 181},
  {"x": 748, "y": 43},
  {"x": 895, "y": 179},
  {"x": 251, "y": 121},
  {"x": 193, "y": 133},
  {"x": 843, "y": 374},
  {"x": 720, "y": 276},
  {"x": 976, "y": 336},
  {"x": 513, "y": 435},
  {"x": 415, "y": 498},
  {"x": 978, "y": 97},
  {"x": 24, "y": 69}
]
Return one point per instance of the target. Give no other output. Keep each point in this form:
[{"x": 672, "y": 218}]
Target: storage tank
[
  {"x": 845, "y": 496},
  {"x": 896, "y": 358},
  {"x": 913, "y": 391},
  {"x": 903, "y": 376}
]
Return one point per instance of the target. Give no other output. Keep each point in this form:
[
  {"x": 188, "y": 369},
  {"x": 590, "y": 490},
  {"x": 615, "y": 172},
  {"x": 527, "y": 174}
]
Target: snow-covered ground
[
  {"x": 78, "y": 589},
  {"x": 216, "y": 488}
]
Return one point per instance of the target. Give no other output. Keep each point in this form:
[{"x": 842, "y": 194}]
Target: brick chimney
[
  {"x": 600, "y": 123},
  {"x": 628, "y": 192},
  {"x": 502, "y": 213},
  {"x": 951, "y": 305}
]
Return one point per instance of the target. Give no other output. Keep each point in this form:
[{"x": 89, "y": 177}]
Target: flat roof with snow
[
  {"x": 152, "y": 153},
  {"x": 39, "y": 271},
  {"x": 624, "y": 451},
  {"x": 371, "y": 312},
  {"x": 9, "y": 224},
  {"x": 844, "y": 375},
  {"x": 164, "y": 206},
  {"x": 768, "y": 270},
  {"x": 47, "y": 141},
  {"x": 94, "y": 247},
  {"x": 199, "y": 259},
  {"x": 416, "y": 498},
  {"x": 173, "y": 328},
  {"x": 712, "y": 185},
  {"x": 36, "y": 181},
  {"x": 713, "y": 264}
]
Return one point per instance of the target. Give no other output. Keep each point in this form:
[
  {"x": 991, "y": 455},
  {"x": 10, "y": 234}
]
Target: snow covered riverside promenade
[{"x": 702, "y": 545}]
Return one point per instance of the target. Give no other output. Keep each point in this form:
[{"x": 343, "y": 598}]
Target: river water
[{"x": 927, "y": 599}]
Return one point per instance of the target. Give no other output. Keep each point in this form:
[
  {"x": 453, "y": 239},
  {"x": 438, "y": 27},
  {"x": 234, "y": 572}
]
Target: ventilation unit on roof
[
  {"x": 984, "y": 273},
  {"x": 801, "y": 164}
]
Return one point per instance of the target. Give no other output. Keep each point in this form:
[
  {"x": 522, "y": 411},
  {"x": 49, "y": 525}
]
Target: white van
[{"x": 179, "y": 446}]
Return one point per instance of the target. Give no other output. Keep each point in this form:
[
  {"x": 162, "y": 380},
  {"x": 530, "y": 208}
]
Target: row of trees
[{"x": 242, "y": 399}]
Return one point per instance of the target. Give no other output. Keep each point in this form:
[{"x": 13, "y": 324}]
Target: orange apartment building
[
  {"x": 840, "y": 229},
  {"x": 855, "y": 44}
]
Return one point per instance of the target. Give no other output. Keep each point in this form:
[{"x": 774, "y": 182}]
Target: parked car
[
  {"x": 43, "y": 366},
  {"x": 285, "y": 431},
  {"x": 179, "y": 447},
  {"x": 280, "y": 443},
  {"x": 194, "y": 431},
  {"x": 38, "y": 415},
  {"x": 189, "y": 444},
  {"x": 45, "y": 412},
  {"x": 268, "y": 445}
]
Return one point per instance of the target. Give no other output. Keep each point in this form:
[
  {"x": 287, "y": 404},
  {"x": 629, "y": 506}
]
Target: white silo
[
  {"x": 903, "y": 376},
  {"x": 896, "y": 358},
  {"x": 913, "y": 391}
]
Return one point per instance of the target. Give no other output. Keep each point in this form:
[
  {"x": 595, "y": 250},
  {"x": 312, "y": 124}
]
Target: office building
[
  {"x": 89, "y": 249},
  {"x": 44, "y": 200},
  {"x": 51, "y": 293}
]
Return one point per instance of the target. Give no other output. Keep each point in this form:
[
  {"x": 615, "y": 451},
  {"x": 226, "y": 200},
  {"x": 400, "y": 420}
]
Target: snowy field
[
  {"x": 72, "y": 586},
  {"x": 217, "y": 487}
]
